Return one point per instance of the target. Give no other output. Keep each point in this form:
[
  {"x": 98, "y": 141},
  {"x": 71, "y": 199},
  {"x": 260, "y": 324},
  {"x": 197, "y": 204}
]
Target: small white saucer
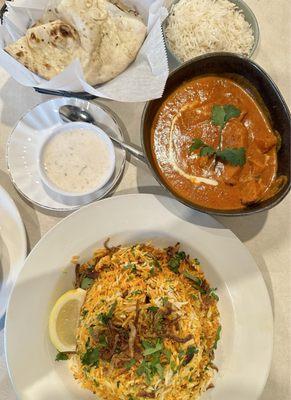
[{"x": 23, "y": 148}]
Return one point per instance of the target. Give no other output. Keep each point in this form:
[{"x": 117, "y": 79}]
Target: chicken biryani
[{"x": 148, "y": 327}]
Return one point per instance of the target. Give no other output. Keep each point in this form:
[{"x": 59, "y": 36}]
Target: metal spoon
[{"x": 70, "y": 113}]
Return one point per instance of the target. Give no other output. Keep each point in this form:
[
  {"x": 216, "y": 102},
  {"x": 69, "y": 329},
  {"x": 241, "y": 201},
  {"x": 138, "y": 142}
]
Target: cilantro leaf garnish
[
  {"x": 168, "y": 354},
  {"x": 217, "y": 337},
  {"x": 153, "y": 309},
  {"x": 190, "y": 353},
  {"x": 212, "y": 293},
  {"x": 235, "y": 156},
  {"x": 220, "y": 115},
  {"x": 197, "y": 144},
  {"x": 151, "y": 350},
  {"x": 104, "y": 318},
  {"x": 193, "y": 278},
  {"x": 164, "y": 300},
  {"x": 136, "y": 292},
  {"x": 174, "y": 262},
  {"x": 91, "y": 357},
  {"x": 206, "y": 151},
  {"x": 103, "y": 341},
  {"x": 130, "y": 266},
  {"x": 61, "y": 356},
  {"x": 86, "y": 283},
  {"x": 130, "y": 363}
]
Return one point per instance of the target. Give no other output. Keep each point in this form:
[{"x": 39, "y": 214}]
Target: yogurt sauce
[{"x": 77, "y": 160}]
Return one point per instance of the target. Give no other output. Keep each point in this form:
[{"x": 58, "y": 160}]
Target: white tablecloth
[{"x": 267, "y": 235}]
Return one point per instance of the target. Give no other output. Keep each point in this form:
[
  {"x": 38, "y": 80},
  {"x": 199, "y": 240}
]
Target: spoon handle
[{"x": 133, "y": 150}]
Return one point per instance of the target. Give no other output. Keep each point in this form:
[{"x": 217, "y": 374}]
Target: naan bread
[
  {"x": 104, "y": 37},
  {"x": 45, "y": 47}
]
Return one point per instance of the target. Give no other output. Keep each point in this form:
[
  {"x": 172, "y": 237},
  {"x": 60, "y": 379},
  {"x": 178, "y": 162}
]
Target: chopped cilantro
[
  {"x": 152, "y": 270},
  {"x": 220, "y": 115},
  {"x": 196, "y": 144},
  {"x": 181, "y": 354},
  {"x": 190, "y": 352},
  {"x": 164, "y": 300},
  {"x": 212, "y": 293},
  {"x": 173, "y": 366},
  {"x": 174, "y": 262},
  {"x": 153, "y": 309},
  {"x": 118, "y": 384},
  {"x": 103, "y": 341},
  {"x": 168, "y": 354},
  {"x": 84, "y": 312},
  {"x": 91, "y": 330},
  {"x": 86, "y": 283},
  {"x": 61, "y": 356},
  {"x": 91, "y": 357},
  {"x": 160, "y": 370},
  {"x": 104, "y": 318},
  {"x": 130, "y": 363},
  {"x": 217, "y": 337},
  {"x": 151, "y": 350},
  {"x": 234, "y": 156},
  {"x": 136, "y": 292},
  {"x": 197, "y": 262},
  {"x": 131, "y": 266}
]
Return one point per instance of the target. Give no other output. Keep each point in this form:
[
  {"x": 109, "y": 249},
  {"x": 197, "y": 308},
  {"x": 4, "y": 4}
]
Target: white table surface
[{"x": 267, "y": 235}]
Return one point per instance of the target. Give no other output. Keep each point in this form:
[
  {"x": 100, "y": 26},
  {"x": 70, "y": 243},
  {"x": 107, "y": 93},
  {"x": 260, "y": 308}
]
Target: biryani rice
[{"x": 148, "y": 327}]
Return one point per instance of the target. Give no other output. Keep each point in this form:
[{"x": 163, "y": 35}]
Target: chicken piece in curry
[{"x": 214, "y": 146}]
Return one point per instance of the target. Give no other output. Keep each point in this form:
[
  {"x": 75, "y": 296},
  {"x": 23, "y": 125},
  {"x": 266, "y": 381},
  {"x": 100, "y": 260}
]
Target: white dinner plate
[
  {"x": 244, "y": 353},
  {"x": 12, "y": 247},
  {"x": 24, "y": 144}
]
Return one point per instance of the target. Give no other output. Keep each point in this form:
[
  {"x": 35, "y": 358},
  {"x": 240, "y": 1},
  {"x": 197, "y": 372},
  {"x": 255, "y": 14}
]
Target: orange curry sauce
[{"x": 185, "y": 115}]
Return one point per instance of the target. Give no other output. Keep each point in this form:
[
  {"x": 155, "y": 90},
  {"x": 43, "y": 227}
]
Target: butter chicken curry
[{"x": 214, "y": 146}]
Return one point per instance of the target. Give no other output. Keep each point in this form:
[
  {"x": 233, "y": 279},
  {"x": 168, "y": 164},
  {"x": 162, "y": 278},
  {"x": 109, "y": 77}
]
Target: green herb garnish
[
  {"x": 153, "y": 309},
  {"x": 193, "y": 278},
  {"x": 136, "y": 292},
  {"x": 91, "y": 357},
  {"x": 151, "y": 350},
  {"x": 217, "y": 337},
  {"x": 190, "y": 353},
  {"x": 104, "y": 318},
  {"x": 130, "y": 363},
  {"x": 61, "y": 356},
  {"x": 220, "y": 115},
  {"x": 174, "y": 262},
  {"x": 103, "y": 341},
  {"x": 212, "y": 293},
  {"x": 234, "y": 156},
  {"x": 84, "y": 312},
  {"x": 130, "y": 266},
  {"x": 86, "y": 283},
  {"x": 168, "y": 354},
  {"x": 164, "y": 300},
  {"x": 196, "y": 144}
]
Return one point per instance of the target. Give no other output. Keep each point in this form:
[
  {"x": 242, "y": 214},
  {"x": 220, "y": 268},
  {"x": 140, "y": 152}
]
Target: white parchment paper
[{"x": 143, "y": 80}]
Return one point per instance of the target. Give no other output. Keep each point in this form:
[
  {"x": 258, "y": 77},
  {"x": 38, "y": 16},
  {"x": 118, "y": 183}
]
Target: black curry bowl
[{"x": 265, "y": 92}]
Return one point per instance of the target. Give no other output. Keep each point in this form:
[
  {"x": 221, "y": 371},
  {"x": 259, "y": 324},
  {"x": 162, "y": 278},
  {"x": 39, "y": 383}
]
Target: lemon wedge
[{"x": 64, "y": 318}]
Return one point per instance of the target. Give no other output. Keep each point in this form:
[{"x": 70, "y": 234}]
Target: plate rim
[
  {"x": 214, "y": 225},
  {"x": 24, "y": 247},
  {"x": 68, "y": 209}
]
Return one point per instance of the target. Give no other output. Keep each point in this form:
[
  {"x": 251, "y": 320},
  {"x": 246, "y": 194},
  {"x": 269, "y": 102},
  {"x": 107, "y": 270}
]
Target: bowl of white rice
[{"x": 197, "y": 27}]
